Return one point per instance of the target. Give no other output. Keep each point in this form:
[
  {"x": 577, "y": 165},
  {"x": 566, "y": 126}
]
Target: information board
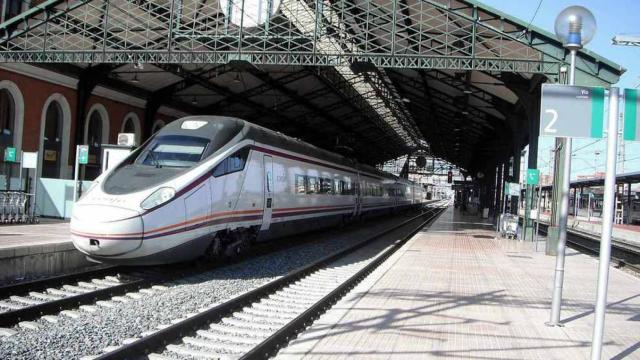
[
  {"x": 533, "y": 176},
  {"x": 512, "y": 189},
  {"x": 10, "y": 154},
  {"x": 631, "y": 115},
  {"x": 572, "y": 111},
  {"x": 29, "y": 160},
  {"x": 83, "y": 154}
]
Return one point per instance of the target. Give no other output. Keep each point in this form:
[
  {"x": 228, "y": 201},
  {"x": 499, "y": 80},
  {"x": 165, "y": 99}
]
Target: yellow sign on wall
[{"x": 50, "y": 155}]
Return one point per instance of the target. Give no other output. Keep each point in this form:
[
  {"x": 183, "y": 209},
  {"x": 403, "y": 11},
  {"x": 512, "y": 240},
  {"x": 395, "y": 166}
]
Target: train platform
[
  {"x": 35, "y": 250},
  {"x": 455, "y": 291}
]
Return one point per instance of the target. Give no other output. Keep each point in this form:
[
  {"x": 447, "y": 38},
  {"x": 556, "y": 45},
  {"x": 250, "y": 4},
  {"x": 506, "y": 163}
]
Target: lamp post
[{"x": 575, "y": 27}]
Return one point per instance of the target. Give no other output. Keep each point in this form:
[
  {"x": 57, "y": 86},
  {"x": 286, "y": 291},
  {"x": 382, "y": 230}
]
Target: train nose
[{"x": 106, "y": 230}]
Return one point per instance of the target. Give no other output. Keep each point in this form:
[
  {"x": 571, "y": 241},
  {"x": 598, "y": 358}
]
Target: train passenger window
[
  {"x": 236, "y": 161},
  {"x": 326, "y": 186},
  {"x": 344, "y": 187},
  {"x": 313, "y": 185},
  {"x": 233, "y": 163},
  {"x": 300, "y": 184},
  {"x": 348, "y": 188}
]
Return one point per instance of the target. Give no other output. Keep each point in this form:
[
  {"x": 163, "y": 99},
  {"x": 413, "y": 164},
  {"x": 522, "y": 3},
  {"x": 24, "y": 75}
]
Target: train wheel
[{"x": 214, "y": 249}]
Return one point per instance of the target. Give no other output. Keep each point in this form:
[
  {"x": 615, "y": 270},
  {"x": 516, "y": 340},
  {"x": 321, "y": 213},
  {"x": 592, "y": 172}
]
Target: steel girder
[{"x": 433, "y": 34}]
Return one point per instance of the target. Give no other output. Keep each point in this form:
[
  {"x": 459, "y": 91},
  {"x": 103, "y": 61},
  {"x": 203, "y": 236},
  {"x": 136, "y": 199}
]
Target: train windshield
[{"x": 173, "y": 151}]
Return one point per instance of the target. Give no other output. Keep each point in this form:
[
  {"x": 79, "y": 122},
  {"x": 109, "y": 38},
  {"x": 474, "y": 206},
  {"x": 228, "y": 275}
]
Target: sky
[{"x": 612, "y": 17}]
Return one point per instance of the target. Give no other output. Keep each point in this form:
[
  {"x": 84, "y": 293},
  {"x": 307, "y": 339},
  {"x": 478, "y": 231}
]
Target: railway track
[
  {"x": 257, "y": 323},
  {"x": 623, "y": 254},
  {"x": 23, "y": 302},
  {"x": 69, "y": 295}
]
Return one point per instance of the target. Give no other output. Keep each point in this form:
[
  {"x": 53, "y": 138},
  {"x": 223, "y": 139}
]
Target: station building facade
[{"x": 38, "y": 114}]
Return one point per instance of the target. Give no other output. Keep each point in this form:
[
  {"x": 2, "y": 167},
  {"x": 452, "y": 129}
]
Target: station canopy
[{"x": 374, "y": 79}]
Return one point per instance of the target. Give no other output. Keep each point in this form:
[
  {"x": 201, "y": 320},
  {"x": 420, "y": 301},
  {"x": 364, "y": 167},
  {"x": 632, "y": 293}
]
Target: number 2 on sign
[{"x": 554, "y": 117}]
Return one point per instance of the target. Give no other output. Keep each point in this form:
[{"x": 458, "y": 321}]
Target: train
[
  {"x": 211, "y": 186},
  {"x": 596, "y": 202}
]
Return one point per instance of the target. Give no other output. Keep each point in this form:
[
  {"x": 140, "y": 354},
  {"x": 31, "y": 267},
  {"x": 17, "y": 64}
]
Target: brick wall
[{"x": 36, "y": 92}]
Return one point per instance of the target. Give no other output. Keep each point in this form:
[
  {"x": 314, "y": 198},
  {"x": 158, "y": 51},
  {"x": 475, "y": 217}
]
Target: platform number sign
[
  {"x": 533, "y": 176},
  {"x": 83, "y": 154},
  {"x": 572, "y": 111},
  {"x": 449, "y": 177},
  {"x": 631, "y": 115},
  {"x": 10, "y": 154}
]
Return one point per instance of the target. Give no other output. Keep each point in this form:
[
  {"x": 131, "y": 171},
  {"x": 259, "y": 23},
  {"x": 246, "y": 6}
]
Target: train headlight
[{"x": 158, "y": 197}]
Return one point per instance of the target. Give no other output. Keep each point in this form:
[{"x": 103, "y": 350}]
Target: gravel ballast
[{"x": 90, "y": 333}]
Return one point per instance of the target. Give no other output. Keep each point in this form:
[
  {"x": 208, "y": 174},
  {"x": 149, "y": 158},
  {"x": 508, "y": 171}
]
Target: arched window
[
  {"x": 52, "y": 141},
  {"x": 94, "y": 140},
  {"x": 129, "y": 126},
  {"x": 7, "y": 118}
]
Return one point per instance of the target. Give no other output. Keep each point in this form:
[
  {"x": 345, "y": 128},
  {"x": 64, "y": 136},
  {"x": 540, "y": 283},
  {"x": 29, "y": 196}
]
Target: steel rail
[
  {"x": 10, "y": 318},
  {"x": 140, "y": 278},
  {"x": 58, "y": 280},
  {"x": 628, "y": 251},
  {"x": 164, "y": 336},
  {"x": 272, "y": 344}
]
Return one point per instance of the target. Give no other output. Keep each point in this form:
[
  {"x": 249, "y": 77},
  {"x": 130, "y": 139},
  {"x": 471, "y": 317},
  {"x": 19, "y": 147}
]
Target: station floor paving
[
  {"x": 48, "y": 231},
  {"x": 455, "y": 291}
]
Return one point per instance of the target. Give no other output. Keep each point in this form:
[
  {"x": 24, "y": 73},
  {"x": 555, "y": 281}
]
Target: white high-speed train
[{"x": 211, "y": 185}]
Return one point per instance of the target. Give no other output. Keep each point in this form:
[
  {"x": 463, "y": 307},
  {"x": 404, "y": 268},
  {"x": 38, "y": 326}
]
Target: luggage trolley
[
  {"x": 4, "y": 207},
  {"x": 508, "y": 226},
  {"x": 15, "y": 207}
]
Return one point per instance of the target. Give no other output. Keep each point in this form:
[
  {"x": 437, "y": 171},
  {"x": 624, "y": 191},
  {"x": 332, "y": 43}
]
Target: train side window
[
  {"x": 313, "y": 185},
  {"x": 342, "y": 187},
  {"x": 237, "y": 161},
  {"x": 326, "y": 186},
  {"x": 220, "y": 169},
  {"x": 301, "y": 184},
  {"x": 349, "y": 188},
  {"x": 233, "y": 163}
]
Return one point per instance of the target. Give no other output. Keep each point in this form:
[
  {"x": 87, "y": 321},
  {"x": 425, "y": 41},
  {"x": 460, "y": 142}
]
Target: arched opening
[
  {"x": 55, "y": 134},
  {"x": 7, "y": 128},
  {"x": 7, "y": 118},
  {"x": 131, "y": 125},
  {"x": 94, "y": 140},
  {"x": 52, "y": 141}
]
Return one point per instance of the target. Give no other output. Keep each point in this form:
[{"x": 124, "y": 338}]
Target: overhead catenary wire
[
  {"x": 618, "y": 163},
  {"x": 535, "y": 13},
  {"x": 586, "y": 146}
]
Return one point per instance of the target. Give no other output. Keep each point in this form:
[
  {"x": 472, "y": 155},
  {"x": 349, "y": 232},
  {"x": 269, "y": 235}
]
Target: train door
[
  {"x": 357, "y": 191},
  {"x": 268, "y": 192}
]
